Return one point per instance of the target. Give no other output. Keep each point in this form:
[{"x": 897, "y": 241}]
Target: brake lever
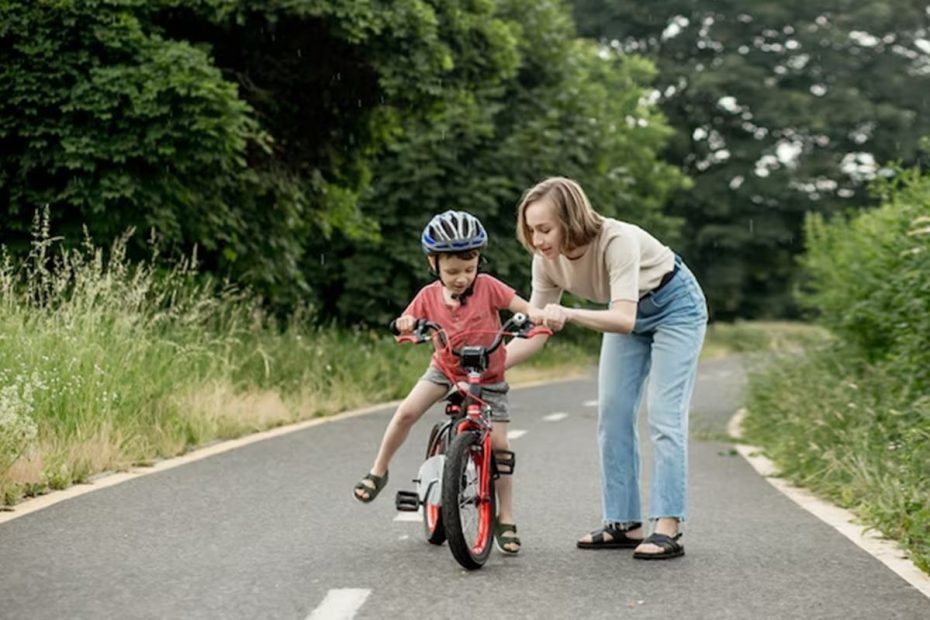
[
  {"x": 419, "y": 334},
  {"x": 537, "y": 330}
]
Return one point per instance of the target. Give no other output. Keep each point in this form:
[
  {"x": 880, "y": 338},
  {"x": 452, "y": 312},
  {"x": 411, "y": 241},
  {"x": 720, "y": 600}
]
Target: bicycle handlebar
[{"x": 519, "y": 322}]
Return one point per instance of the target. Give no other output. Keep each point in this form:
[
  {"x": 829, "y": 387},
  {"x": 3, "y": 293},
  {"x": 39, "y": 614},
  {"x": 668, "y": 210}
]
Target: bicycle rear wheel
[
  {"x": 468, "y": 500},
  {"x": 432, "y": 513}
]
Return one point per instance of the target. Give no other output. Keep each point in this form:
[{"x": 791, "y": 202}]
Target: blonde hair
[{"x": 580, "y": 223}]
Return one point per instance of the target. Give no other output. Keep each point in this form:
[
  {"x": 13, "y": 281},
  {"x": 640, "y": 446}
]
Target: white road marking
[
  {"x": 590, "y": 403},
  {"x": 555, "y": 417},
  {"x": 515, "y": 434},
  {"x": 340, "y": 604},
  {"x": 885, "y": 551},
  {"x": 410, "y": 516}
]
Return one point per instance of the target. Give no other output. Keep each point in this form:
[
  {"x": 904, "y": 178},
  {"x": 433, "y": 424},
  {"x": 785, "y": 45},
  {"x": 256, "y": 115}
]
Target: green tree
[
  {"x": 562, "y": 109},
  {"x": 782, "y": 108},
  {"x": 114, "y": 126},
  {"x": 302, "y": 144}
]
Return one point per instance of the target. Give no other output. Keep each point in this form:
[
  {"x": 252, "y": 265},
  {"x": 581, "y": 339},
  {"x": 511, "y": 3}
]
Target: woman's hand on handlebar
[{"x": 552, "y": 316}]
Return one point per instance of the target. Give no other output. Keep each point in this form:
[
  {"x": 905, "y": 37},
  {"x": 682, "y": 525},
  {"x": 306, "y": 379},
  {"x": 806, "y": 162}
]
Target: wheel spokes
[{"x": 470, "y": 502}]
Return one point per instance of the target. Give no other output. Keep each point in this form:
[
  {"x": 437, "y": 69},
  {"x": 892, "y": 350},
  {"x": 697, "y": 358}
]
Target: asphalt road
[{"x": 271, "y": 531}]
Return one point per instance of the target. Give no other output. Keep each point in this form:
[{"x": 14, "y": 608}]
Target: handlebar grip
[
  {"x": 537, "y": 330},
  {"x": 393, "y": 327}
]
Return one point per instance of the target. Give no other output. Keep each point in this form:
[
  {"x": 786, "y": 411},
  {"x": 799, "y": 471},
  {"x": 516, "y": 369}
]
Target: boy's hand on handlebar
[
  {"x": 536, "y": 315},
  {"x": 405, "y": 324}
]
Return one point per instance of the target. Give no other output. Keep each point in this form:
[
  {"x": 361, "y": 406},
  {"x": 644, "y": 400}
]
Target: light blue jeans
[{"x": 663, "y": 347}]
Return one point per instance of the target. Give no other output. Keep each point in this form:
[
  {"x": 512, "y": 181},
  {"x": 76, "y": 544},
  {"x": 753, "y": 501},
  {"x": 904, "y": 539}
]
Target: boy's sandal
[
  {"x": 618, "y": 538},
  {"x": 377, "y": 481},
  {"x": 507, "y": 544},
  {"x": 671, "y": 548}
]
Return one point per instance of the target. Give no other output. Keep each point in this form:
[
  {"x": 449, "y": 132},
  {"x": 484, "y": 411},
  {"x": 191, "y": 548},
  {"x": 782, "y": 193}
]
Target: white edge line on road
[
  {"x": 44, "y": 501},
  {"x": 555, "y": 417},
  {"x": 340, "y": 604},
  {"x": 49, "y": 499},
  {"x": 515, "y": 434},
  {"x": 886, "y": 551},
  {"x": 590, "y": 403}
]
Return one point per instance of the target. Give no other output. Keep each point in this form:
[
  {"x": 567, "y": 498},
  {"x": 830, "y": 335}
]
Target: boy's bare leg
[
  {"x": 504, "y": 483},
  {"x": 423, "y": 395}
]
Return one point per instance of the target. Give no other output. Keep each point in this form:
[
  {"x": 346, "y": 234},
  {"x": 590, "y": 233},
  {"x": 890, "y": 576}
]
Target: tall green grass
[
  {"x": 851, "y": 432},
  {"x": 761, "y": 338},
  {"x": 851, "y": 419},
  {"x": 106, "y": 363}
]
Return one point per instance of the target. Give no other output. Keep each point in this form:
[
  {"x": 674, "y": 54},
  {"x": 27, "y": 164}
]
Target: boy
[{"x": 461, "y": 300}]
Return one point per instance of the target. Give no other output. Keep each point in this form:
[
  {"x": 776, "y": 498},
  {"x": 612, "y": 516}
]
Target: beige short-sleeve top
[{"x": 623, "y": 263}]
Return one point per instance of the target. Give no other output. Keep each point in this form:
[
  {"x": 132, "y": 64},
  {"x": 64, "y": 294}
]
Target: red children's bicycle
[{"x": 455, "y": 485}]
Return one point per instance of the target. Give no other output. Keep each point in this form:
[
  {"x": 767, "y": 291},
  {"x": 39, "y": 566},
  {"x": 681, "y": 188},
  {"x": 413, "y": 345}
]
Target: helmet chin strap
[{"x": 464, "y": 295}]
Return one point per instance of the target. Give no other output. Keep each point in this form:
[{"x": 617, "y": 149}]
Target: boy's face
[{"x": 456, "y": 273}]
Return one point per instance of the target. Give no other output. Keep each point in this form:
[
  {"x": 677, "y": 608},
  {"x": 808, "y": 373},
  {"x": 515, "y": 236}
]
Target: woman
[{"x": 653, "y": 328}]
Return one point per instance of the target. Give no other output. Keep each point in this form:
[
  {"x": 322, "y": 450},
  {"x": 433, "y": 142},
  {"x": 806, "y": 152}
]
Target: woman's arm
[{"x": 620, "y": 319}]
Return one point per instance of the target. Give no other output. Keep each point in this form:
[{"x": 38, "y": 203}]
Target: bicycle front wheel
[
  {"x": 468, "y": 500},
  {"x": 432, "y": 513}
]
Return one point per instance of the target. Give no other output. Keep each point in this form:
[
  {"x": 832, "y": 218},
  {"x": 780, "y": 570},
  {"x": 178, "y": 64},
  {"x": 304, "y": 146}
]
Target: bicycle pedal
[
  {"x": 407, "y": 501},
  {"x": 504, "y": 462}
]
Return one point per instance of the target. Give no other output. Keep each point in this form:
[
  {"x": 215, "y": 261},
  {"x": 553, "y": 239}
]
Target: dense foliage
[
  {"x": 852, "y": 420},
  {"x": 301, "y": 145},
  {"x": 781, "y": 109},
  {"x": 870, "y": 277},
  {"x": 113, "y": 126}
]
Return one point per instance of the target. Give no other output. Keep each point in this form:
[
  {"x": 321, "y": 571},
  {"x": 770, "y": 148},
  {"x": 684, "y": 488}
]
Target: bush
[
  {"x": 870, "y": 276},
  {"x": 112, "y": 125},
  {"x": 851, "y": 419}
]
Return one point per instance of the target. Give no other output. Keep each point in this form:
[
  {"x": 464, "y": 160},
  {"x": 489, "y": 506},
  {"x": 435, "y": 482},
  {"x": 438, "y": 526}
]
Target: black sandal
[
  {"x": 618, "y": 538},
  {"x": 378, "y": 481},
  {"x": 671, "y": 548},
  {"x": 502, "y": 528}
]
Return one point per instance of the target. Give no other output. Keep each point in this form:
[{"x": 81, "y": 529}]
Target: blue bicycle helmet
[{"x": 453, "y": 231}]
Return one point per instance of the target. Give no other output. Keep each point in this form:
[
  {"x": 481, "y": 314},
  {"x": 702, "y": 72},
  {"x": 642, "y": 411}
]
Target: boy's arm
[
  {"x": 416, "y": 309},
  {"x": 521, "y": 349},
  {"x": 518, "y": 304}
]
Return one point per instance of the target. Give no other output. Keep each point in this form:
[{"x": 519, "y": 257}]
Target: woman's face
[{"x": 546, "y": 233}]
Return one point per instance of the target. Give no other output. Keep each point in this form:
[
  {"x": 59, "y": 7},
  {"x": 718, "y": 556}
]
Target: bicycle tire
[
  {"x": 433, "y": 527},
  {"x": 465, "y": 505}
]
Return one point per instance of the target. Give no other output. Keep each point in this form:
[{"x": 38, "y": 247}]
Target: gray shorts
[{"x": 495, "y": 394}]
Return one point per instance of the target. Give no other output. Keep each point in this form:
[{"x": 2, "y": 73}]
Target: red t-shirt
[{"x": 474, "y": 323}]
